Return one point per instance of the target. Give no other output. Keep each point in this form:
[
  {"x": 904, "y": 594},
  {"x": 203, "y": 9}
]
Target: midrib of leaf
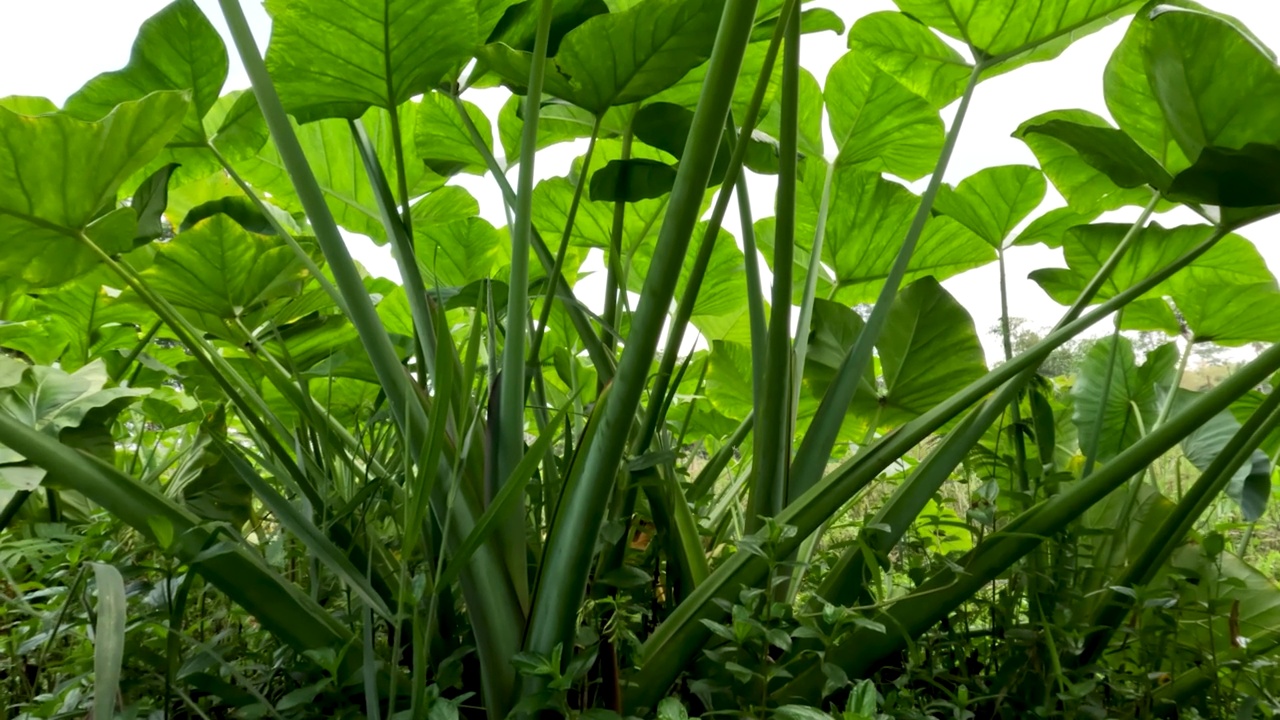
[{"x": 1028, "y": 47}]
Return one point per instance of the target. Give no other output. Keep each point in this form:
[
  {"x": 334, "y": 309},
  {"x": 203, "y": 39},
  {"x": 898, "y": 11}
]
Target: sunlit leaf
[
  {"x": 374, "y": 53},
  {"x": 59, "y": 177},
  {"x": 993, "y": 201},
  {"x": 879, "y": 124},
  {"x": 912, "y": 54}
]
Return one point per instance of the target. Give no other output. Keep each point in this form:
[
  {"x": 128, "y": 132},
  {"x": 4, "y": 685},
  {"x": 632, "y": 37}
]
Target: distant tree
[{"x": 1023, "y": 336}]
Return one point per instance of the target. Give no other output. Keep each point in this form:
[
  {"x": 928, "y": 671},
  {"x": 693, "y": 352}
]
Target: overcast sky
[{"x": 51, "y": 47}]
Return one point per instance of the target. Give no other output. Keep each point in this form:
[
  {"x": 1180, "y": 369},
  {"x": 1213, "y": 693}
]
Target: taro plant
[{"x": 719, "y": 488}]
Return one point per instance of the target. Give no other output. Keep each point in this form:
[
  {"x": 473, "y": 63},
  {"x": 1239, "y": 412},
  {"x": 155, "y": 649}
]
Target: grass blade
[{"x": 108, "y": 639}]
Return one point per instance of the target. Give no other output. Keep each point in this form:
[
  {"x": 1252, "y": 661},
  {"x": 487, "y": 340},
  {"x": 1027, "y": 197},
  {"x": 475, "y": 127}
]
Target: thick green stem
[
  {"x": 681, "y": 636},
  {"x": 815, "y": 450},
  {"x": 553, "y": 277},
  {"x": 510, "y": 427},
  {"x": 772, "y": 459},
  {"x": 571, "y": 542},
  {"x": 614, "y": 282},
  {"x": 810, "y": 290},
  {"x": 402, "y": 250},
  {"x": 1112, "y": 611},
  {"x": 735, "y": 178}
]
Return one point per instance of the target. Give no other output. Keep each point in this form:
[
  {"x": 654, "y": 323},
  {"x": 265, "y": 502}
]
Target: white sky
[{"x": 51, "y": 47}]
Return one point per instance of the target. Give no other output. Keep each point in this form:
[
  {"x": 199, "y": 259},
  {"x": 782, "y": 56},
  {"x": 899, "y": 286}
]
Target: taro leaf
[
  {"x": 814, "y": 20},
  {"x": 594, "y": 222},
  {"x": 1216, "y": 84},
  {"x": 1250, "y": 486},
  {"x": 688, "y": 90},
  {"x": 632, "y": 180},
  {"x": 176, "y": 49},
  {"x": 169, "y": 408},
  {"x": 1132, "y": 102},
  {"x": 1080, "y": 178},
  {"x": 866, "y": 228},
  {"x": 729, "y": 379},
  {"x": 458, "y": 253},
  {"x": 243, "y": 211},
  {"x": 878, "y": 123},
  {"x": 218, "y": 268},
  {"x": 720, "y": 312},
  {"x": 1246, "y": 178},
  {"x": 1231, "y": 315},
  {"x": 512, "y": 67},
  {"x": 443, "y": 141},
  {"x": 912, "y": 54},
  {"x": 925, "y": 324},
  {"x": 238, "y": 127},
  {"x": 1014, "y": 33},
  {"x": 762, "y": 155},
  {"x": 445, "y": 205},
  {"x": 206, "y": 480},
  {"x": 1107, "y": 150},
  {"x": 149, "y": 203},
  {"x": 312, "y": 340},
  {"x": 1232, "y": 261},
  {"x": 1131, "y": 402},
  {"x": 1051, "y": 228},
  {"x": 374, "y": 53},
  {"x": 179, "y": 49},
  {"x": 58, "y": 180},
  {"x": 83, "y": 321},
  {"x": 334, "y": 159},
  {"x": 832, "y": 331},
  {"x": 624, "y": 57},
  {"x": 557, "y": 122},
  {"x": 520, "y": 22},
  {"x": 28, "y": 104},
  {"x": 993, "y": 201},
  {"x": 56, "y": 402}
]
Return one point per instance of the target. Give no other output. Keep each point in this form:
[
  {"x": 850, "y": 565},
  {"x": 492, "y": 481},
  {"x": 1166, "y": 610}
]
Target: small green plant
[{"x": 241, "y": 476}]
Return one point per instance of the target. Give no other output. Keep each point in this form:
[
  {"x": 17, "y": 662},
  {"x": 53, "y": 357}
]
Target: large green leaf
[
  {"x": 912, "y": 54},
  {"x": 458, "y": 253},
  {"x": 1186, "y": 51},
  {"x": 878, "y": 123},
  {"x": 557, "y": 122},
  {"x": 720, "y": 312},
  {"x": 444, "y": 142},
  {"x": 335, "y": 160},
  {"x": 1250, "y": 486},
  {"x": 1106, "y": 149},
  {"x": 1132, "y": 398},
  {"x": 205, "y": 479},
  {"x": 688, "y": 89},
  {"x": 1086, "y": 187},
  {"x": 624, "y": 57},
  {"x": 56, "y": 402},
  {"x": 1012, "y": 33},
  {"x": 1232, "y": 261},
  {"x": 865, "y": 230},
  {"x": 82, "y": 320},
  {"x": 1051, "y": 228},
  {"x": 338, "y": 58},
  {"x": 220, "y": 269},
  {"x": 925, "y": 324},
  {"x": 176, "y": 49},
  {"x": 59, "y": 177},
  {"x": 993, "y": 201},
  {"x": 809, "y": 120},
  {"x": 1231, "y": 315}
]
